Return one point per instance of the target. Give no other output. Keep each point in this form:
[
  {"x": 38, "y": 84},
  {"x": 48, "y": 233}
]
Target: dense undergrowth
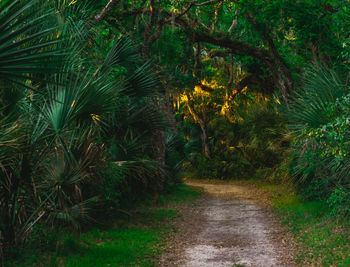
[
  {"x": 80, "y": 123},
  {"x": 133, "y": 238},
  {"x": 250, "y": 136}
]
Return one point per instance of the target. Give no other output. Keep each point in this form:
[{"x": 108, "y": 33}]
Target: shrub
[
  {"x": 339, "y": 201},
  {"x": 319, "y": 116}
]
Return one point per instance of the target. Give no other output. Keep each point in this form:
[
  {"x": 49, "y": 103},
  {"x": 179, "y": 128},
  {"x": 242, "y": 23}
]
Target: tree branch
[
  {"x": 106, "y": 9},
  {"x": 279, "y": 60},
  {"x": 233, "y": 25},
  {"x": 236, "y": 46},
  {"x": 193, "y": 3},
  {"x": 219, "y": 53},
  {"x": 186, "y": 9},
  {"x": 205, "y": 87},
  {"x": 209, "y": 2}
]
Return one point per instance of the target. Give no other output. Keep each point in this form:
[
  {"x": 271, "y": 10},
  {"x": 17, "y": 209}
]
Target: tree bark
[
  {"x": 106, "y": 9},
  {"x": 170, "y": 113},
  {"x": 204, "y": 136},
  {"x": 283, "y": 72}
]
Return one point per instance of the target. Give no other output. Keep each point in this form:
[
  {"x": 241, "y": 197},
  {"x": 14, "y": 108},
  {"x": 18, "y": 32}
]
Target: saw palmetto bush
[
  {"x": 68, "y": 112},
  {"x": 319, "y": 116},
  {"x": 28, "y": 46}
]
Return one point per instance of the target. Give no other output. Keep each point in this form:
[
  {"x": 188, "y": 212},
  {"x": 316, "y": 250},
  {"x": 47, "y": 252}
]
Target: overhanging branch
[{"x": 106, "y": 9}]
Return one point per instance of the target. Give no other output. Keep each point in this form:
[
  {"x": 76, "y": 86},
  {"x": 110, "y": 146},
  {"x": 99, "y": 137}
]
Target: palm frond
[
  {"x": 122, "y": 54},
  {"x": 28, "y": 45},
  {"x": 310, "y": 104},
  {"x": 142, "y": 83}
]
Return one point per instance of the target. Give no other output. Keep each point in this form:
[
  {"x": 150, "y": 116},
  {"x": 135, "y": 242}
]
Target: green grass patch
[
  {"x": 321, "y": 239},
  {"x": 135, "y": 240},
  {"x": 116, "y": 247},
  {"x": 180, "y": 194}
]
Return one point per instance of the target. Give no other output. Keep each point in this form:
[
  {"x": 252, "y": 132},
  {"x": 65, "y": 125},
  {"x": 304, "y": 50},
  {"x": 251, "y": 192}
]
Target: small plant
[{"x": 339, "y": 202}]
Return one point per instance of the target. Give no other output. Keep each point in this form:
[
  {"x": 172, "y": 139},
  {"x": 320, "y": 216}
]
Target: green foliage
[
  {"x": 112, "y": 180},
  {"x": 319, "y": 115},
  {"x": 77, "y": 135},
  {"x": 321, "y": 240},
  {"x": 28, "y": 43},
  {"x": 217, "y": 167},
  {"x": 42, "y": 238},
  {"x": 250, "y": 136},
  {"x": 83, "y": 107},
  {"x": 179, "y": 193},
  {"x": 339, "y": 202},
  {"x": 127, "y": 241}
]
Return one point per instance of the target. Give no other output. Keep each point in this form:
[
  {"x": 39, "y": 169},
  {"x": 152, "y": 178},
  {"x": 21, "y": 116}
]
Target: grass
[
  {"x": 320, "y": 239},
  {"x": 179, "y": 194},
  {"x": 135, "y": 240},
  {"x": 138, "y": 240}
]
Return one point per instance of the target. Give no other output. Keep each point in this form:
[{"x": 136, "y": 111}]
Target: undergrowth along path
[{"x": 228, "y": 227}]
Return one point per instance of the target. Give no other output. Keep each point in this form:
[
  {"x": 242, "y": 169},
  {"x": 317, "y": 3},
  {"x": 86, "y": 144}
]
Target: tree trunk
[
  {"x": 204, "y": 136},
  {"x": 282, "y": 72},
  {"x": 160, "y": 154},
  {"x": 170, "y": 112}
]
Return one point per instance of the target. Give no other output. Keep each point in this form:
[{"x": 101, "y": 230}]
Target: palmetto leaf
[
  {"x": 149, "y": 117},
  {"x": 144, "y": 170},
  {"x": 313, "y": 107},
  {"x": 28, "y": 44},
  {"x": 11, "y": 139},
  {"x": 123, "y": 53},
  {"x": 309, "y": 107},
  {"x": 73, "y": 215},
  {"x": 142, "y": 82},
  {"x": 174, "y": 151},
  {"x": 73, "y": 19}
]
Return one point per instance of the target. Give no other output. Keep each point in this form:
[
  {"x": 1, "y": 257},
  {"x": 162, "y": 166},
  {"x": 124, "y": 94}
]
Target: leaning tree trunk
[{"x": 204, "y": 136}]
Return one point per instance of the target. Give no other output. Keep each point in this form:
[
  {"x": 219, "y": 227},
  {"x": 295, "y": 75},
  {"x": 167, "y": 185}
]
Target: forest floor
[
  {"x": 133, "y": 238},
  {"x": 250, "y": 222},
  {"x": 229, "y": 225}
]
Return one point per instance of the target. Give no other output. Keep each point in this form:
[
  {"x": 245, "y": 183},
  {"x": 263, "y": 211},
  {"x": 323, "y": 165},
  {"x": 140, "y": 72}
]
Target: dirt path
[{"x": 228, "y": 227}]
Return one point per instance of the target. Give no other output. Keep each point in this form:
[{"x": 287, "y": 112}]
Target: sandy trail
[{"x": 228, "y": 228}]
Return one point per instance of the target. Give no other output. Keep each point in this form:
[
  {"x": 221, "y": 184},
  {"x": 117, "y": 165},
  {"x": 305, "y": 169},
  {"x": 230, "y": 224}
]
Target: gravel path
[{"x": 228, "y": 227}]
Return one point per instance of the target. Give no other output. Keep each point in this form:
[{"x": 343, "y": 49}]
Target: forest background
[{"x": 105, "y": 103}]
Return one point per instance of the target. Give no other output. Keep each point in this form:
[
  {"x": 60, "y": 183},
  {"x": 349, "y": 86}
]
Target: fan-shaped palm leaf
[
  {"x": 310, "y": 104},
  {"x": 28, "y": 44}
]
